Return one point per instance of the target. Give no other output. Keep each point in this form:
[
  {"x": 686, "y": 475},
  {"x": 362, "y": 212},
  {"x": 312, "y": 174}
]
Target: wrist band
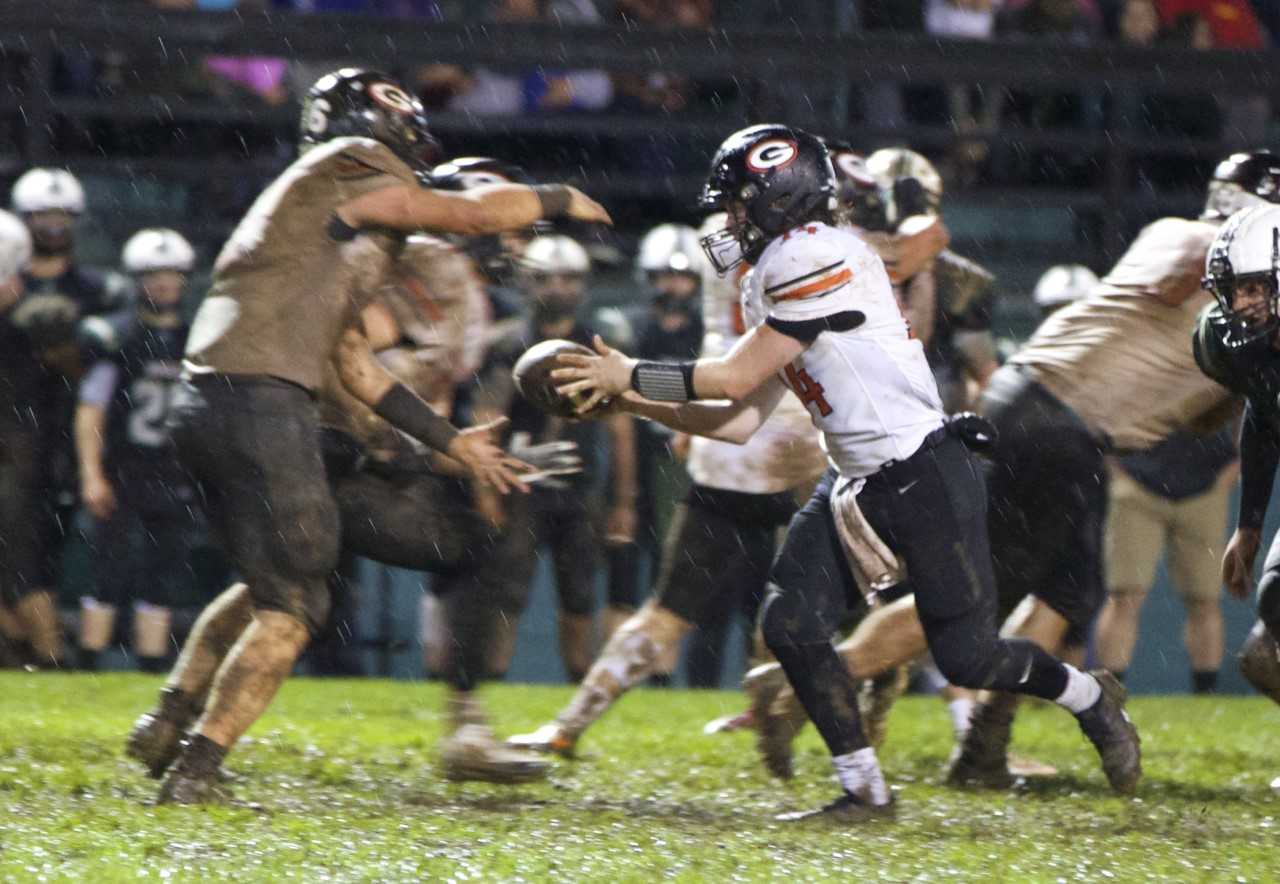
[
  {"x": 663, "y": 381},
  {"x": 554, "y": 199},
  {"x": 339, "y": 230},
  {"x": 405, "y": 410}
]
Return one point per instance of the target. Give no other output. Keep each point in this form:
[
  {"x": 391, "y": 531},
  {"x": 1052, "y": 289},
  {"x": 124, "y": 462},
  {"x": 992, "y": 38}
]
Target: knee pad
[
  {"x": 786, "y": 620},
  {"x": 639, "y": 644}
]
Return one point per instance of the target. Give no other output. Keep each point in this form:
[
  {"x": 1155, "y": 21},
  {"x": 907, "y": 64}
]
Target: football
[{"x": 532, "y": 374}]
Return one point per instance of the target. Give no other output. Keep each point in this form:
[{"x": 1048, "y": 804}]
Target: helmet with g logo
[
  {"x": 369, "y": 104},
  {"x": 782, "y": 176}
]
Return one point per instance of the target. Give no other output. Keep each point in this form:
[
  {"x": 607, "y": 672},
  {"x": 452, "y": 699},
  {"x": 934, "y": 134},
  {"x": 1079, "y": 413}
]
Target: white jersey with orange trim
[
  {"x": 785, "y": 451},
  {"x": 864, "y": 380}
]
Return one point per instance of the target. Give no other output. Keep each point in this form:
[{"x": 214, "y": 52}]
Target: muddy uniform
[
  {"x": 245, "y": 421},
  {"x": 964, "y": 295},
  {"x": 41, "y": 363},
  {"x": 1112, "y": 372},
  {"x": 1254, "y": 373},
  {"x": 144, "y": 546}
]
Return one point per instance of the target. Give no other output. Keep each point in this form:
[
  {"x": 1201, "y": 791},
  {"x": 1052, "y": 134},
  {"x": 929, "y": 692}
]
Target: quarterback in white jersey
[{"x": 826, "y": 320}]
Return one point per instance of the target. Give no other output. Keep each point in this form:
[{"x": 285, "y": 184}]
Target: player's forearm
[
  {"x": 726, "y": 421},
  {"x": 1259, "y": 456},
  {"x": 90, "y": 422},
  {"x": 622, "y": 431}
]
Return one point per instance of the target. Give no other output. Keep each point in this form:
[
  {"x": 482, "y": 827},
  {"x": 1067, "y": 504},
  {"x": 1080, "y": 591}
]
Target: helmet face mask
[{"x": 770, "y": 179}]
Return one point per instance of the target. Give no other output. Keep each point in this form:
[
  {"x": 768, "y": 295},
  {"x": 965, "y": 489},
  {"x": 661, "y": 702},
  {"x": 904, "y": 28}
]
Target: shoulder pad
[
  {"x": 355, "y": 158},
  {"x": 961, "y": 283},
  {"x": 805, "y": 262},
  {"x": 1214, "y": 358}
]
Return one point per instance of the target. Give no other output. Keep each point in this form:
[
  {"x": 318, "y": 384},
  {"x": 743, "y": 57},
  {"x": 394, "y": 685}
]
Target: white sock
[
  {"x": 961, "y": 711},
  {"x": 1082, "y": 690},
  {"x": 859, "y": 773}
]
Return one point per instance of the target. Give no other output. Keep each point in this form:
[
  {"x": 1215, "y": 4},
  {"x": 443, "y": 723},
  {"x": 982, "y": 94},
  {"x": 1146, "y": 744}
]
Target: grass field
[{"x": 338, "y": 784}]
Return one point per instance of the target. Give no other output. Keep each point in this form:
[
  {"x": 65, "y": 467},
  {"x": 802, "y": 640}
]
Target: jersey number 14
[{"x": 809, "y": 390}]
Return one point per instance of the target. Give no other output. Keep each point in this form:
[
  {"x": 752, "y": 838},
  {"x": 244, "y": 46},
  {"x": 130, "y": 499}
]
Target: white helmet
[
  {"x": 157, "y": 248},
  {"x": 1246, "y": 248},
  {"x": 894, "y": 164},
  {"x": 556, "y": 254},
  {"x": 15, "y": 246},
  {"x": 40, "y": 190},
  {"x": 1063, "y": 284},
  {"x": 670, "y": 248}
]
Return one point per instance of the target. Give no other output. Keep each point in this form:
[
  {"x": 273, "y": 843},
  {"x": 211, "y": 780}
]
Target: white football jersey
[
  {"x": 867, "y": 387},
  {"x": 785, "y": 451}
]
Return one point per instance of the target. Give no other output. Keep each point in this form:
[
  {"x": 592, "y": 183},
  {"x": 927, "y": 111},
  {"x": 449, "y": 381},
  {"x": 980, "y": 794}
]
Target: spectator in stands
[{"x": 487, "y": 92}]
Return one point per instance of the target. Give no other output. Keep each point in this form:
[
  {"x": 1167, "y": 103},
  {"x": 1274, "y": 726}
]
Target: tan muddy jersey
[
  {"x": 283, "y": 290},
  {"x": 1121, "y": 359},
  {"x": 440, "y": 308}
]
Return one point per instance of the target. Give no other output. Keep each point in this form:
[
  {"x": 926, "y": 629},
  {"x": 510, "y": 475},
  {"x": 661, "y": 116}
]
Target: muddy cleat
[
  {"x": 875, "y": 700},
  {"x": 1108, "y": 727},
  {"x": 982, "y": 758},
  {"x": 848, "y": 809},
  {"x": 727, "y": 724},
  {"x": 1260, "y": 662},
  {"x": 183, "y": 788},
  {"x": 154, "y": 741},
  {"x": 550, "y": 739},
  {"x": 472, "y": 753}
]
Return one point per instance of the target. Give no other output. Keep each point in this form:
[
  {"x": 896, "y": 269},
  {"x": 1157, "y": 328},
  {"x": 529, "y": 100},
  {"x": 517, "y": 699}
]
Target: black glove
[{"x": 976, "y": 432}]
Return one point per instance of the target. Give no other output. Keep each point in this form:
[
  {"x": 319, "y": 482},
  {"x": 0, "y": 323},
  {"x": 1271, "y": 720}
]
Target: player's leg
[
  {"x": 114, "y": 543},
  {"x": 1259, "y": 661},
  {"x": 939, "y": 526},
  {"x": 1195, "y": 556},
  {"x": 257, "y": 443},
  {"x": 575, "y": 542},
  {"x": 1135, "y": 539},
  {"x": 811, "y": 590}
]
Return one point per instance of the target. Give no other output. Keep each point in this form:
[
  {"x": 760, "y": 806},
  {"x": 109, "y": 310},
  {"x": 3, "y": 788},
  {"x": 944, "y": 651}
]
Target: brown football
[{"x": 532, "y": 374}]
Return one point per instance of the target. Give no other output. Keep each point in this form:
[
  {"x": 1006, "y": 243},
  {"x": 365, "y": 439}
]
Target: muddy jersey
[
  {"x": 1120, "y": 358},
  {"x": 785, "y": 451},
  {"x": 440, "y": 308},
  {"x": 1252, "y": 371},
  {"x": 865, "y": 382},
  {"x": 283, "y": 290}
]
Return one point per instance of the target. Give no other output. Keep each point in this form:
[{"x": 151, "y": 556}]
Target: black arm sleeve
[
  {"x": 807, "y": 330},
  {"x": 1259, "y": 455},
  {"x": 405, "y": 410}
]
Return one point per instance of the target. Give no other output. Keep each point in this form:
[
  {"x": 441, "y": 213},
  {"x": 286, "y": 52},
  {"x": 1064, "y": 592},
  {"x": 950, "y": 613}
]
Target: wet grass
[{"x": 338, "y": 784}]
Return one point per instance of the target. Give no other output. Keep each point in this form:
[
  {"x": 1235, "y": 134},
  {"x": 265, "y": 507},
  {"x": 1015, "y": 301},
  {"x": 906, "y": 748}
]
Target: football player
[
  {"x": 1236, "y": 344},
  {"x": 60, "y": 295},
  {"x": 553, "y": 273},
  {"x": 20, "y": 376},
  {"x": 719, "y": 545},
  {"x": 286, "y": 297},
  {"x": 1107, "y": 373},
  {"x": 141, "y": 501},
  {"x": 822, "y": 315}
]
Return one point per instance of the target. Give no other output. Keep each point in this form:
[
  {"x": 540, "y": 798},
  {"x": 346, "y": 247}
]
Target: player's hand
[
  {"x": 98, "y": 496},
  {"x": 477, "y": 449},
  {"x": 1237, "y": 562},
  {"x": 620, "y": 525},
  {"x": 679, "y": 446},
  {"x": 584, "y": 208},
  {"x": 602, "y": 376},
  {"x": 550, "y": 460}
]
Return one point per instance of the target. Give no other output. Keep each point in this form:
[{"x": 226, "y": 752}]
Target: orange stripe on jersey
[{"x": 818, "y": 286}]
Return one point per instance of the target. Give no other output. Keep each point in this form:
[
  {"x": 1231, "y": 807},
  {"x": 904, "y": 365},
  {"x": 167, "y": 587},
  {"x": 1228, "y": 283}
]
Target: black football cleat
[
  {"x": 848, "y": 809},
  {"x": 1260, "y": 662},
  {"x": 1108, "y": 727},
  {"x": 180, "y": 787},
  {"x": 155, "y": 741}
]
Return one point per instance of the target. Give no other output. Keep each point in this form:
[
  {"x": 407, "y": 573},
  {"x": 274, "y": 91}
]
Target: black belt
[
  {"x": 890, "y": 467},
  {"x": 232, "y": 380}
]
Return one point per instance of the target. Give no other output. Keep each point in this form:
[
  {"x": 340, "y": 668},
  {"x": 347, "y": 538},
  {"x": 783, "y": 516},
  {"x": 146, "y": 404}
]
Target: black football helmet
[
  {"x": 860, "y": 200},
  {"x": 1242, "y": 180},
  {"x": 464, "y": 173},
  {"x": 782, "y": 176},
  {"x": 369, "y": 104}
]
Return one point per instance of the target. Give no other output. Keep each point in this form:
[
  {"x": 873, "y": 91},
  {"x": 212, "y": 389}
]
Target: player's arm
[
  {"x": 757, "y": 356},
  {"x": 95, "y": 394},
  {"x": 734, "y": 422},
  {"x": 475, "y": 212},
  {"x": 475, "y": 447},
  {"x": 1259, "y": 457}
]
